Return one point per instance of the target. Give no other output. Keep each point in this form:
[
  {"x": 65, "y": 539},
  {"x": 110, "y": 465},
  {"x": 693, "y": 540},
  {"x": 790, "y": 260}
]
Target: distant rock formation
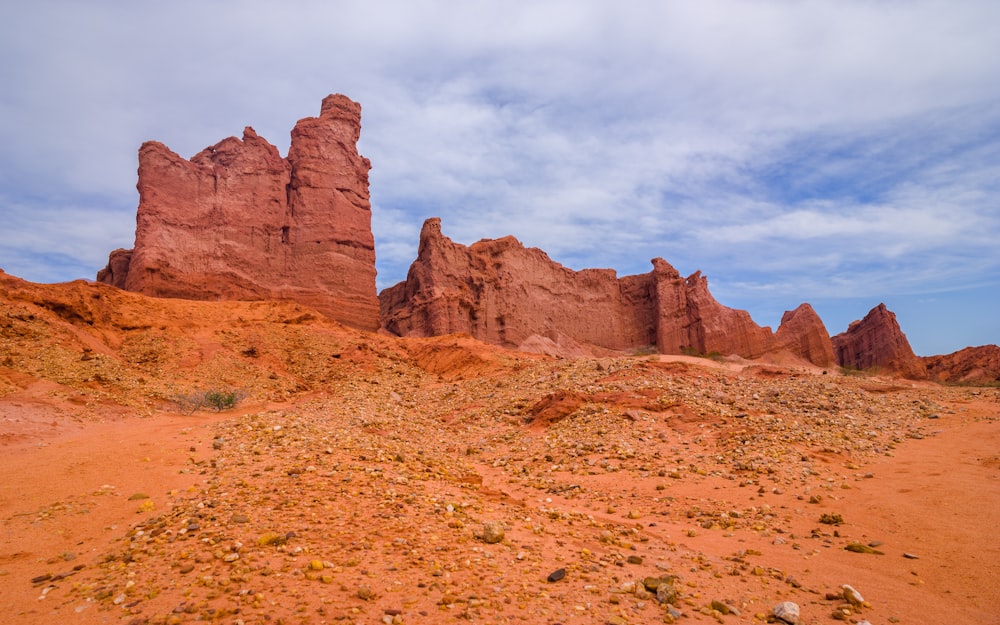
[
  {"x": 877, "y": 342},
  {"x": 239, "y": 222},
  {"x": 802, "y": 332},
  {"x": 500, "y": 292},
  {"x": 972, "y": 365}
]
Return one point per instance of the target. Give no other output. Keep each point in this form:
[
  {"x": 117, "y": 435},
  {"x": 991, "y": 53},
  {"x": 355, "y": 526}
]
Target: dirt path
[{"x": 65, "y": 499}]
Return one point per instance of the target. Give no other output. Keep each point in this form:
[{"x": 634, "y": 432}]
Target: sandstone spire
[{"x": 238, "y": 221}]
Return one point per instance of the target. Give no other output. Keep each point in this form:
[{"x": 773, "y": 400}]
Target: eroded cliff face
[
  {"x": 972, "y": 365},
  {"x": 802, "y": 332},
  {"x": 239, "y": 222},
  {"x": 503, "y": 293},
  {"x": 877, "y": 342}
]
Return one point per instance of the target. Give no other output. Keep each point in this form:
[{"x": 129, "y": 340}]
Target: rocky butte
[
  {"x": 239, "y": 222},
  {"x": 500, "y": 292},
  {"x": 878, "y": 342}
]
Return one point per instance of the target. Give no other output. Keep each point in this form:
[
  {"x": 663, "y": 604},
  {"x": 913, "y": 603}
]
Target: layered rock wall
[
  {"x": 972, "y": 365},
  {"x": 238, "y": 221},
  {"x": 877, "y": 342},
  {"x": 503, "y": 293}
]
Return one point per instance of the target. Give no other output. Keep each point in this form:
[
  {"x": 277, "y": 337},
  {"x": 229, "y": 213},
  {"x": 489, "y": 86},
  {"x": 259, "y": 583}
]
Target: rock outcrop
[
  {"x": 972, "y": 365},
  {"x": 239, "y": 222},
  {"x": 503, "y": 293},
  {"x": 802, "y": 332},
  {"x": 877, "y": 342}
]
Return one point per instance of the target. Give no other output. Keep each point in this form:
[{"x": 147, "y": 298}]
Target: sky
[{"x": 838, "y": 152}]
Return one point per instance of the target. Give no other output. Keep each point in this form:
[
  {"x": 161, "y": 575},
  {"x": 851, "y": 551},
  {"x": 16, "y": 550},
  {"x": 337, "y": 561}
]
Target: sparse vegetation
[
  {"x": 831, "y": 519},
  {"x": 712, "y": 355},
  {"x": 222, "y": 400},
  {"x": 217, "y": 400}
]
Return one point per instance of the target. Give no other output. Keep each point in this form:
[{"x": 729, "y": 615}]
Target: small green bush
[
  {"x": 222, "y": 400},
  {"x": 218, "y": 400}
]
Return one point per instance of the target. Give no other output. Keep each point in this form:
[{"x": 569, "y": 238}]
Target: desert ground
[{"x": 362, "y": 478}]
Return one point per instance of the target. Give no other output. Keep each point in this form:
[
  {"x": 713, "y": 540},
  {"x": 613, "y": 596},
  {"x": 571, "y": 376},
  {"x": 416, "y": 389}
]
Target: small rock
[
  {"x": 852, "y": 596},
  {"x": 724, "y": 608},
  {"x": 493, "y": 532},
  {"x": 666, "y": 593},
  {"x": 365, "y": 593},
  {"x": 910, "y": 556},
  {"x": 860, "y": 548},
  {"x": 556, "y": 575},
  {"x": 634, "y": 559},
  {"x": 240, "y": 518},
  {"x": 787, "y": 612}
]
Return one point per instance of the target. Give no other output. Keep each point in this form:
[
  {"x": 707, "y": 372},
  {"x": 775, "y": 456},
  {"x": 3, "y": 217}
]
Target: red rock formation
[
  {"x": 972, "y": 365},
  {"x": 503, "y": 293},
  {"x": 802, "y": 332},
  {"x": 240, "y": 222},
  {"x": 878, "y": 342},
  {"x": 688, "y": 318}
]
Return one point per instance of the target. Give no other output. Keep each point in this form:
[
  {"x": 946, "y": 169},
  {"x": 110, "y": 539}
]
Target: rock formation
[
  {"x": 877, "y": 342},
  {"x": 240, "y": 222},
  {"x": 802, "y": 332},
  {"x": 503, "y": 293},
  {"x": 972, "y": 365}
]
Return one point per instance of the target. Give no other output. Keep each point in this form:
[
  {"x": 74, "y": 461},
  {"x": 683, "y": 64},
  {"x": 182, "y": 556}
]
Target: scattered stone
[
  {"x": 724, "y": 608},
  {"x": 910, "y": 556},
  {"x": 493, "y": 532},
  {"x": 556, "y": 575},
  {"x": 634, "y": 559},
  {"x": 852, "y": 596},
  {"x": 861, "y": 548},
  {"x": 365, "y": 593},
  {"x": 787, "y": 612},
  {"x": 240, "y": 518},
  {"x": 138, "y": 497}
]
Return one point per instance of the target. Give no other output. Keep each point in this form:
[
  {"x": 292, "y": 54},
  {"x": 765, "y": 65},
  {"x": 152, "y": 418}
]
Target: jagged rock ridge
[
  {"x": 877, "y": 342},
  {"x": 972, "y": 365},
  {"x": 240, "y": 222},
  {"x": 503, "y": 293}
]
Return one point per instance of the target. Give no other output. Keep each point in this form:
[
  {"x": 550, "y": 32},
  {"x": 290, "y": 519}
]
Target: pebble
[
  {"x": 787, "y": 612},
  {"x": 493, "y": 532},
  {"x": 723, "y": 608},
  {"x": 852, "y": 596},
  {"x": 556, "y": 575}
]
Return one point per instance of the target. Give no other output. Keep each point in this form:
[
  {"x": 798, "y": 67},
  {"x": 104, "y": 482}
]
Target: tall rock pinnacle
[{"x": 240, "y": 222}]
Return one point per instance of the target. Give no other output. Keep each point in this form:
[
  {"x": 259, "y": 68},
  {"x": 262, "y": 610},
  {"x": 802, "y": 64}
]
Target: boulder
[
  {"x": 239, "y": 222},
  {"x": 877, "y": 342}
]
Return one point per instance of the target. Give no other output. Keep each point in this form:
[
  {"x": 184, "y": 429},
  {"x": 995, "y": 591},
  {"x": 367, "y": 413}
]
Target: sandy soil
[{"x": 69, "y": 503}]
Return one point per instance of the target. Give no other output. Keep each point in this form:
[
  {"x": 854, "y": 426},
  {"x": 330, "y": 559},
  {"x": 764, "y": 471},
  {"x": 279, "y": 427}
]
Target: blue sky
[{"x": 838, "y": 152}]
